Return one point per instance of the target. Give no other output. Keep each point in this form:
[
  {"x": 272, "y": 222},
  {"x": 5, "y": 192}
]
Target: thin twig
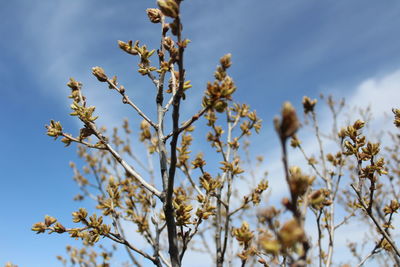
[
  {"x": 117, "y": 238},
  {"x": 128, "y": 101},
  {"x": 189, "y": 122},
  {"x": 124, "y": 164},
  {"x": 377, "y": 224}
]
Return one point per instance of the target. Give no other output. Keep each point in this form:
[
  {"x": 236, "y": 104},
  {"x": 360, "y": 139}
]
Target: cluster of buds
[
  {"x": 392, "y": 207},
  {"x": 319, "y": 198},
  {"x": 173, "y": 82},
  {"x": 210, "y": 117},
  {"x": 214, "y": 138},
  {"x": 142, "y": 51},
  {"x": 75, "y": 88},
  {"x": 257, "y": 192},
  {"x": 244, "y": 236},
  {"x": 50, "y": 224},
  {"x": 198, "y": 162},
  {"x": 232, "y": 167},
  {"x": 234, "y": 144},
  {"x": 109, "y": 205},
  {"x": 353, "y": 132},
  {"x": 129, "y": 47},
  {"x": 253, "y": 122},
  {"x": 308, "y": 104},
  {"x": 294, "y": 141},
  {"x": 299, "y": 182},
  {"x": 386, "y": 245},
  {"x": 182, "y": 208},
  {"x": 84, "y": 113},
  {"x": 80, "y": 215},
  {"x": 369, "y": 151},
  {"x": 288, "y": 124},
  {"x": 183, "y": 150},
  {"x": 209, "y": 184},
  {"x": 221, "y": 90},
  {"x": 141, "y": 222},
  {"x": 54, "y": 129},
  {"x": 336, "y": 160},
  {"x": 81, "y": 180},
  {"x": 206, "y": 210},
  {"x": 145, "y": 133},
  {"x": 376, "y": 167},
  {"x": 93, "y": 230},
  {"x": 396, "y": 117},
  {"x": 241, "y": 109},
  {"x": 170, "y": 46},
  {"x": 362, "y": 150}
]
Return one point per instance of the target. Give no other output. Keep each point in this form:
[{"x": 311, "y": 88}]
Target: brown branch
[
  {"x": 377, "y": 224},
  {"x": 79, "y": 141},
  {"x": 168, "y": 207},
  {"x": 189, "y": 122}
]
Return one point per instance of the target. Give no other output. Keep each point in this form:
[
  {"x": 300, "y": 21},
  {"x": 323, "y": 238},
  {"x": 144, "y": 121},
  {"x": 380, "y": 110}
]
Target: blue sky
[{"x": 281, "y": 50}]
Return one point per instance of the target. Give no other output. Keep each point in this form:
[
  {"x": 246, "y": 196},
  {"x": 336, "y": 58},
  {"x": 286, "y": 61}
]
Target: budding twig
[{"x": 377, "y": 224}]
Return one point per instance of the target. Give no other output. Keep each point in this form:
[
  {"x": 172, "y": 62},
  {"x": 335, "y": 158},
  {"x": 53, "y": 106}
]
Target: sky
[{"x": 281, "y": 51}]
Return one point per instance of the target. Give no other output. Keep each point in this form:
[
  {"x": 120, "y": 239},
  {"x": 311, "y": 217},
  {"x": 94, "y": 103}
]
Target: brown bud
[
  {"x": 100, "y": 74},
  {"x": 48, "y": 220},
  {"x": 169, "y": 8},
  {"x": 308, "y": 104},
  {"x": 289, "y": 124},
  {"x": 154, "y": 15},
  {"x": 74, "y": 85},
  {"x": 39, "y": 227},
  {"x": 226, "y": 61},
  {"x": 59, "y": 228},
  {"x": 358, "y": 124}
]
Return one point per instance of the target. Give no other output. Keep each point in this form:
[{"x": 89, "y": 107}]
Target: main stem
[{"x": 168, "y": 207}]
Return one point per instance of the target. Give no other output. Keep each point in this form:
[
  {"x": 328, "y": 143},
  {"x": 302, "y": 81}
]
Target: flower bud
[
  {"x": 226, "y": 61},
  {"x": 100, "y": 74},
  {"x": 154, "y": 14},
  {"x": 74, "y": 85},
  {"x": 59, "y": 228},
  {"x": 308, "y": 104},
  {"x": 48, "y": 220},
  {"x": 169, "y": 8},
  {"x": 289, "y": 124}
]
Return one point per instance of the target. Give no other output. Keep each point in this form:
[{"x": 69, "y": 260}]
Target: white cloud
[{"x": 381, "y": 93}]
